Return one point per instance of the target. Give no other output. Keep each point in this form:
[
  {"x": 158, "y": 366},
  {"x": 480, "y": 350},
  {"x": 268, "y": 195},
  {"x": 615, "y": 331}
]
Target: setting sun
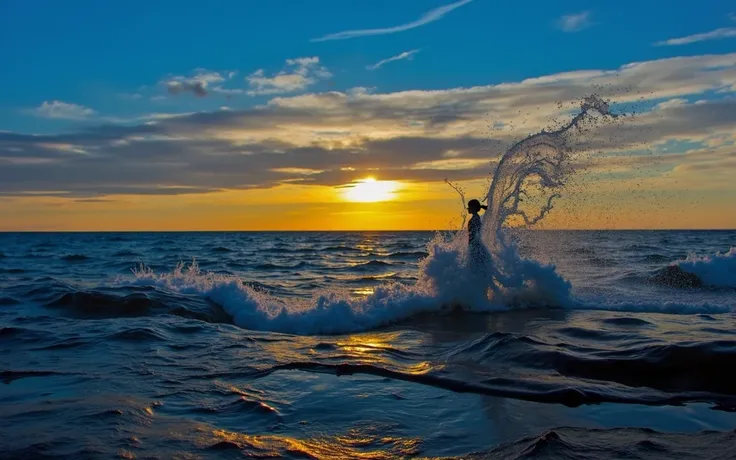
[{"x": 369, "y": 190}]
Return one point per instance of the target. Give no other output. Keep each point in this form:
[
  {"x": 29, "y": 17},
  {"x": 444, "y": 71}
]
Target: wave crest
[{"x": 717, "y": 270}]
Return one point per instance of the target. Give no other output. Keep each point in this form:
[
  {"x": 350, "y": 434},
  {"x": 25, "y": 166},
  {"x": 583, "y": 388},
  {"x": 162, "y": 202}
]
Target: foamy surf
[
  {"x": 444, "y": 287},
  {"x": 444, "y": 283},
  {"x": 716, "y": 270}
]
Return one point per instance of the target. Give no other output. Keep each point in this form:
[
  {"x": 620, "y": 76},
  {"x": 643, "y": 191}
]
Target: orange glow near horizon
[{"x": 412, "y": 206}]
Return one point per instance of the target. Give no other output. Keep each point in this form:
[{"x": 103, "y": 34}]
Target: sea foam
[{"x": 717, "y": 270}]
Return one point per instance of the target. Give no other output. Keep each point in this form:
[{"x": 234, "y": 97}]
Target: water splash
[
  {"x": 540, "y": 161},
  {"x": 527, "y": 180}
]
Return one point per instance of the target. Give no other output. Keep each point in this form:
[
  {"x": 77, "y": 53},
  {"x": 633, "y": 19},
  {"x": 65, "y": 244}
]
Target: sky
[{"x": 335, "y": 115}]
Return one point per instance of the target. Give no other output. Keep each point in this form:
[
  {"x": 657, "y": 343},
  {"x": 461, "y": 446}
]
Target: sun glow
[{"x": 370, "y": 190}]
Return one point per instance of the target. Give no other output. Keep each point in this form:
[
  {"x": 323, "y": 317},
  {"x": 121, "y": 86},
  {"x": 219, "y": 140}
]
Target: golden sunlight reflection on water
[
  {"x": 363, "y": 291},
  {"x": 379, "y": 349},
  {"x": 360, "y": 444}
]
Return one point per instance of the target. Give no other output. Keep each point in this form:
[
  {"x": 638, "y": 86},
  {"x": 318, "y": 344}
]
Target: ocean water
[{"x": 355, "y": 345}]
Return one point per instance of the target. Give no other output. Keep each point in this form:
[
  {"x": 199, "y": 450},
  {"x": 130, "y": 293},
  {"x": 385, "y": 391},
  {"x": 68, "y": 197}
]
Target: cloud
[
  {"x": 63, "y": 110},
  {"x": 426, "y": 18},
  {"x": 198, "y": 84},
  {"x": 332, "y": 138},
  {"x": 405, "y": 55},
  {"x": 718, "y": 34},
  {"x": 675, "y": 102},
  {"x": 575, "y": 22},
  {"x": 714, "y": 162},
  {"x": 299, "y": 74}
]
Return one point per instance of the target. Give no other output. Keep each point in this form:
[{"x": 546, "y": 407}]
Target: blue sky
[
  {"x": 107, "y": 102},
  {"x": 92, "y": 53}
]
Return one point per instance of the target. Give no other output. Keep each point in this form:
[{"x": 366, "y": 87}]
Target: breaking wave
[{"x": 717, "y": 270}]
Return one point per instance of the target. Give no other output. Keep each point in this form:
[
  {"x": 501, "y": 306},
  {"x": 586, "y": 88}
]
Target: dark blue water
[{"x": 353, "y": 345}]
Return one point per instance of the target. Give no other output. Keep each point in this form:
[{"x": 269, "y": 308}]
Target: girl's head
[{"x": 474, "y": 206}]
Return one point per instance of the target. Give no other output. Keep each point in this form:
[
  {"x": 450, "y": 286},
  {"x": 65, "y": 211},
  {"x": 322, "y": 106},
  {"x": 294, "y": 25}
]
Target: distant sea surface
[{"x": 350, "y": 345}]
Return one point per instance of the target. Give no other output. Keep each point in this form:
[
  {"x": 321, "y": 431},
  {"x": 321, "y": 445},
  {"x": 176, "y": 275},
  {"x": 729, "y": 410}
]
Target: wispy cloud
[
  {"x": 575, "y": 22},
  {"x": 426, "y": 18},
  {"x": 718, "y": 34},
  {"x": 198, "y": 84},
  {"x": 63, "y": 110},
  {"x": 399, "y": 57},
  {"x": 298, "y": 75}
]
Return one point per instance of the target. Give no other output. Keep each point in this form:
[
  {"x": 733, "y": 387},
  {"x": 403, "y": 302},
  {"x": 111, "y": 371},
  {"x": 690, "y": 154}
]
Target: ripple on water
[
  {"x": 7, "y": 301},
  {"x": 626, "y": 321},
  {"x": 75, "y": 258}
]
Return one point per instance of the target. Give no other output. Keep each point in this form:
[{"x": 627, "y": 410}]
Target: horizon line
[{"x": 382, "y": 231}]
